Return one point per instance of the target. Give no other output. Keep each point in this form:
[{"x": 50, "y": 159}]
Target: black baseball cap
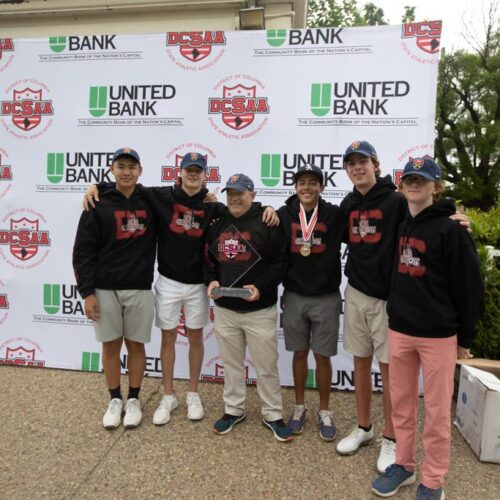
[
  {"x": 309, "y": 169},
  {"x": 126, "y": 152}
]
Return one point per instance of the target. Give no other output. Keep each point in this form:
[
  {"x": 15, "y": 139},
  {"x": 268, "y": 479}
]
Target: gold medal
[
  {"x": 305, "y": 250},
  {"x": 307, "y": 230}
]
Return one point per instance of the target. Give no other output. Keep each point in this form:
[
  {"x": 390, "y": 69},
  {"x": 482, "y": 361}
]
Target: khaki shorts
[
  {"x": 171, "y": 295},
  {"x": 365, "y": 325},
  {"x": 124, "y": 313},
  {"x": 311, "y": 322}
]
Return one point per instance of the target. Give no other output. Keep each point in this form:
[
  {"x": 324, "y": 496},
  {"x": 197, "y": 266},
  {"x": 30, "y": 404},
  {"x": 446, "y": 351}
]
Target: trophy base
[{"x": 225, "y": 291}]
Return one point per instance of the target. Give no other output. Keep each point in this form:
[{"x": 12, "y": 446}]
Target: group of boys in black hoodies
[{"x": 367, "y": 221}]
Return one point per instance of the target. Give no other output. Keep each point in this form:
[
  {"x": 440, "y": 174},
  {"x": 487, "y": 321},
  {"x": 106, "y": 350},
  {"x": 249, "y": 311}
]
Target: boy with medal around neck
[{"x": 311, "y": 302}]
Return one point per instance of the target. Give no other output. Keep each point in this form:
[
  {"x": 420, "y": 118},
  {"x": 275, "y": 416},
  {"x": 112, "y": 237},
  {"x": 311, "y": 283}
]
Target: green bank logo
[
  {"x": 321, "y": 98},
  {"x": 57, "y": 43},
  {"x": 311, "y": 379},
  {"x": 276, "y": 38},
  {"x": 55, "y": 167},
  {"x": 98, "y": 99},
  {"x": 76, "y": 168},
  {"x": 51, "y": 298},
  {"x": 90, "y": 361},
  {"x": 270, "y": 169}
]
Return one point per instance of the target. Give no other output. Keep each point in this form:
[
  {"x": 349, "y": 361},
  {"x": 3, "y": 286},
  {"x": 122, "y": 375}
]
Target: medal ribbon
[{"x": 307, "y": 229}]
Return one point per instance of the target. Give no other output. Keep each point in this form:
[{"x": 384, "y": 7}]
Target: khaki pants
[{"x": 234, "y": 331}]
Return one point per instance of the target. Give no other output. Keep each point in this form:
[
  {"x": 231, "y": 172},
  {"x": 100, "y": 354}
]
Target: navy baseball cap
[
  {"x": 309, "y": 169},
  {"x": 362, "y": 147},
  {"x": 240, "y": 182},
  {"x": 194, "y": 160},
  {"x": 126, "y": 152},
  {"x": 425, "y": 167}
]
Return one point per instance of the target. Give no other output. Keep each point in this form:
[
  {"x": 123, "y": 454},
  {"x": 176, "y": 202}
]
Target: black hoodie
[
  {"x": 436, "y": 289},
  {"x": 320, "y": 272},
  {"x": 182, "y": 224},
  {"x": 372, "y": 222},
  {"x": 115, "y": 244},
  {"x": 231, "y": 249}
]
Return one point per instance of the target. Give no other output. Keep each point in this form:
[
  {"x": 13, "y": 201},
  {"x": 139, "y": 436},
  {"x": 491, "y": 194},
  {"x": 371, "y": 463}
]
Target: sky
[{"x": 453, "y": 13}]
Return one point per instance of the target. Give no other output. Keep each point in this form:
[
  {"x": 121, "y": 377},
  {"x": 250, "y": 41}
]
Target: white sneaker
[
  {"x": 113, "y": 416},
  {"x": 133, "y": 413},
  {"x": 351, "y": 443},
  {"x": 195, "y": 406},
  {"x": 387, "y": 455},
  {"x": 167, "y": 404}
]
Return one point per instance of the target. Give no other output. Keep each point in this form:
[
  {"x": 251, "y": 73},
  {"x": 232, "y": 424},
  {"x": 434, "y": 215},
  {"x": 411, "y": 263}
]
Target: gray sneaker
[
  {"x": 391, "y": 480},
  {"x": 327, "y": 429},
  {"x": 424, "y": 493},
  {"x": 296, "y": 422}
]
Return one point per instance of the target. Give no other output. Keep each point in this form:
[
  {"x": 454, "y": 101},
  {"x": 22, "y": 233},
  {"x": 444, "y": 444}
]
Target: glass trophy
[{"x": 236, "y": 255}]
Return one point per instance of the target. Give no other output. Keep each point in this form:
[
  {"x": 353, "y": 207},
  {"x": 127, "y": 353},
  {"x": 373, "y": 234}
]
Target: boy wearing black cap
[
  {"x": 435, "y": 302},
  {"x": 311, "y": 308},
  {"x": 113, "y": 260},
  {"x": 243, "y": 252}
]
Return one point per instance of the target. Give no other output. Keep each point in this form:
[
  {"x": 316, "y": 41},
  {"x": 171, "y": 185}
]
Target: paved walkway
[{"x": 53, "y": 446}]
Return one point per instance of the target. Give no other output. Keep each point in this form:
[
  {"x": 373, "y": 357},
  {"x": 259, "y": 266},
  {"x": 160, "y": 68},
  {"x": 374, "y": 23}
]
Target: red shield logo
[
  {"x": 31, "y": 121},
  {"x": 429, "y": 44},
  {"x": 20, "y": 352},
  {"x": 240, "y": 120},
  {"x": 230, "y": 248},
  {"x": 195, "y": 54},
  {"x": 23, "y": 252}
]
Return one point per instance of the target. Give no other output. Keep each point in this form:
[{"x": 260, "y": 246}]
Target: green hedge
[{"x": 486, "y": 232}]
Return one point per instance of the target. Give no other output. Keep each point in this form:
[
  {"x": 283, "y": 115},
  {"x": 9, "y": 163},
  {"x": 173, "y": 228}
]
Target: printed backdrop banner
[{"x": 263, "y": 103}]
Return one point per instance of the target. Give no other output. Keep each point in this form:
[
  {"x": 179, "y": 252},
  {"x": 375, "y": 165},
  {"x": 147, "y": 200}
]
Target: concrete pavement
[{"x": 53, "y": 446}]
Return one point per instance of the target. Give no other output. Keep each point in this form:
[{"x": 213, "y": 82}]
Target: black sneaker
[
  {"x": 227, "y": 422},
  {"x": 280, "y": 431}
]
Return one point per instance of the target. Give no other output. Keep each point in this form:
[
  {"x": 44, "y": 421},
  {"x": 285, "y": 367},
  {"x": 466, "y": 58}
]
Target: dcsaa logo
[{"x": 195, "y": 46}]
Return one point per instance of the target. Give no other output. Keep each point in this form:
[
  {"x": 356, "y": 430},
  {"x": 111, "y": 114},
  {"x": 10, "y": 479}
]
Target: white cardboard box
[{"x": 478, "y": 412}]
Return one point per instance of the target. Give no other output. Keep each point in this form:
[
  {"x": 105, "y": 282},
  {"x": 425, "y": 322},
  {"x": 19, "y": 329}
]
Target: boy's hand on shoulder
[
  {"x": 91, "y": 307},
  {"x": 270, "y": 217},
  {"x": 211, "y": 197},
  {"x": 90, "y": 197},
  {"x": 462, "y": 219}
]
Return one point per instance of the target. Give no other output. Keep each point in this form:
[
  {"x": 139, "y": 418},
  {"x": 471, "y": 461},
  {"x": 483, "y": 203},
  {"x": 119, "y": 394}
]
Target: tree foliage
[
  {"x": 468, "y": 100},
  {"x": 486, "y": 232},
  {"x": 467, "y": 119},
  {"x": 409, "y": 14},
  {"x": 323, "y": 13}
]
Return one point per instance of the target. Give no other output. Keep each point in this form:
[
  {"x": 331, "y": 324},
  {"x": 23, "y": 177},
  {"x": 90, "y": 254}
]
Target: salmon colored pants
[{"x": 437, "y": 357}]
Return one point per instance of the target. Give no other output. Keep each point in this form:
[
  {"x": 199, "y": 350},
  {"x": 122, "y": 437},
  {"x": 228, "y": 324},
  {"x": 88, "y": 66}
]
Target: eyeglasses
[{"x": 415, "y": 179}]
